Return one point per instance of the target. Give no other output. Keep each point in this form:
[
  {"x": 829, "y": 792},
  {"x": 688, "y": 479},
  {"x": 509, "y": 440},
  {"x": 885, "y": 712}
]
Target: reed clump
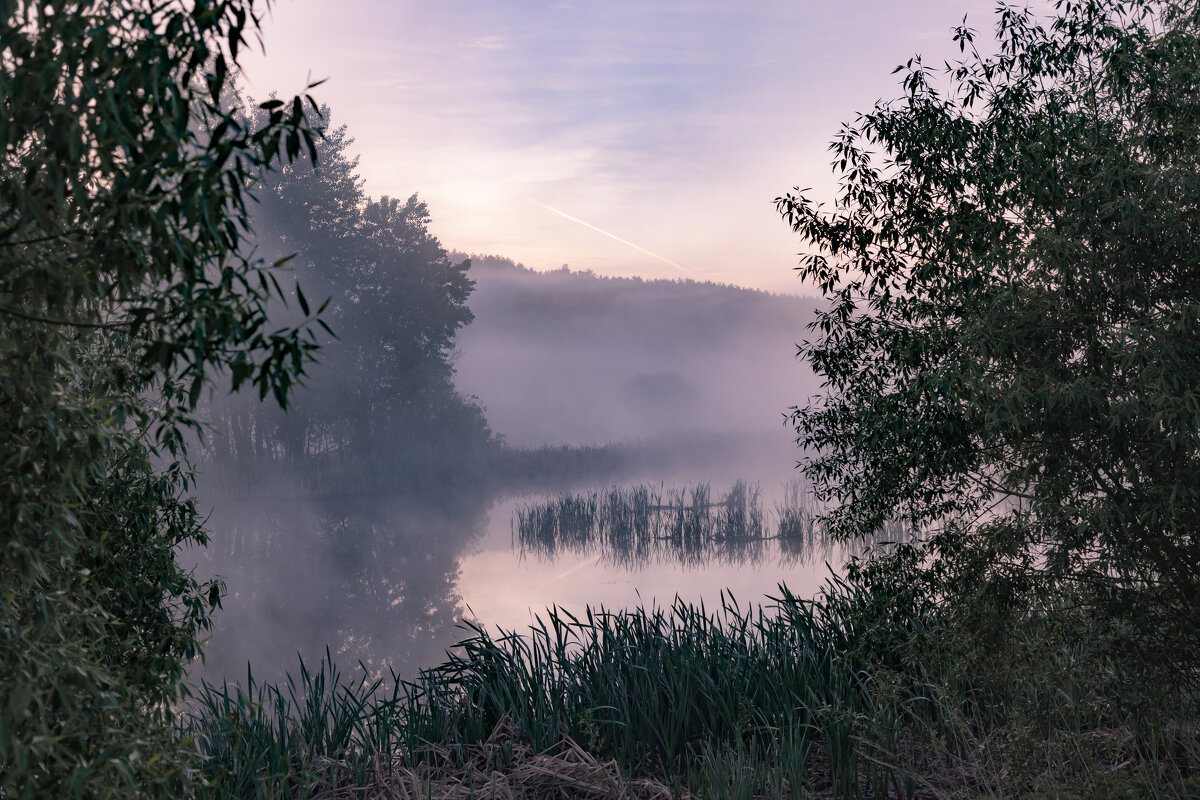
[
  {"x": 651, "y": 694},
  {"x": 631, "y": 526},
  {"x": 634, "y": 525}
]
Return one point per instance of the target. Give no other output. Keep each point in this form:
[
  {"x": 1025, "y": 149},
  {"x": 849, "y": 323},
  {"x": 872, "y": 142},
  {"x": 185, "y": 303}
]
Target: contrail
[{"x": 614, "y": 236}]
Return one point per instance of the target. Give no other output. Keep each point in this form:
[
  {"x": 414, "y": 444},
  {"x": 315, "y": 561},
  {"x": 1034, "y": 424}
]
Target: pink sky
[{"x": 631, "y": 137}]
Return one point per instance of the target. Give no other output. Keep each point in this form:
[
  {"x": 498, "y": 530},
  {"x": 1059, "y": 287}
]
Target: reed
[
  {"x": 631, "y": 526},
  {"x": 797, "y": 698},
  {"x": 659, "y": 691}
]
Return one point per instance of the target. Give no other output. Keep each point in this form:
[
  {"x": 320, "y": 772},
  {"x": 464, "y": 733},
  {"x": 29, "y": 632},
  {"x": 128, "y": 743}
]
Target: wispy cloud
[{"x": 682, "y": 118}]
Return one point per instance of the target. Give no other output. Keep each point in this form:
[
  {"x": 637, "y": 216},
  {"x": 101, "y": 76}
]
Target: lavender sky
[{"x": 631, "y": 137}]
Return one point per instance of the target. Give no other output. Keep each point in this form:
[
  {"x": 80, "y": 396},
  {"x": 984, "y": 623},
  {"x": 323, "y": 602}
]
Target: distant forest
[
  {"x": 570, "y": 356},
  {"x": 648, "y": 311}
]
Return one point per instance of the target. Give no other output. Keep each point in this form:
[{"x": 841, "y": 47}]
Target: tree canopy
[
  {"x": 396, "y": 300},
  {"x": 125, "y": 286},
  {"x": 1010, "y": 346}
]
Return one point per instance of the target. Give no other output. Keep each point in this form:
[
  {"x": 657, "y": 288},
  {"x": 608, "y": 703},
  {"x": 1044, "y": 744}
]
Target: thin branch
[
  {"x": 35, "y": 240},
  {"x": 12, "y": 312}
]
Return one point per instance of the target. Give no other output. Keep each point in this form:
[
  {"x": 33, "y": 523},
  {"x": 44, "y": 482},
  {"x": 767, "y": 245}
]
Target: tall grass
[
  {"x": 801, "y": 535},
  {"x": 634, "y": 525},
  {"x": 799, "y": 698},
  {"x": 705, "y": 695},
  {"x": 319, "y": 730}
]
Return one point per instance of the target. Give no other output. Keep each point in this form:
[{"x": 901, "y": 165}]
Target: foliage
[
  {"x": 397, "y": 302},
  {"x": 809, "y": 698},
  {"x": 1010, "y": 348},
  {"x": 124, "y": 285}
]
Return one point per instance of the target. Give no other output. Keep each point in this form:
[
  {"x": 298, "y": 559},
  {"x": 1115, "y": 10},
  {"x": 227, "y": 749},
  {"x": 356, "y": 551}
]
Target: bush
[{"x": 122, "y": 288}]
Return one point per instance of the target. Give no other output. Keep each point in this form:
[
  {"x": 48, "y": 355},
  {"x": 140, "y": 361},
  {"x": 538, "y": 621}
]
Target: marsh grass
[
  {"x": 631, "y": 526},
  {"x": 801, "y": 536},
  {"x": 704, "y": 697},
  {"x": 800, "y": 698},
  {"x": 851, "y": 694}
]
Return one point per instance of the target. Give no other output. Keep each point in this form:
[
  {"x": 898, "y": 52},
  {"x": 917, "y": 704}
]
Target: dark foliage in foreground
[
  {"x": 124, "y": 286},
  {"x": 1010, "y": 344},
  {"x": 847, "y": 695}
]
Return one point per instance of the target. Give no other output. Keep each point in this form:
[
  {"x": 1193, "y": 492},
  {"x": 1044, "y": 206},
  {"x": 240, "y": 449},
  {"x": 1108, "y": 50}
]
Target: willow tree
[
  {"x": 124, "y": 287},
  {"x": 1010, "y": 344}
]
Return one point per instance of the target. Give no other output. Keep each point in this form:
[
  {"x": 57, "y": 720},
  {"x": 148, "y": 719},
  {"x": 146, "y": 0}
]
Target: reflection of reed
[
  {"x": 632, "y": 526},
  {"x": 803, "y": 538}
]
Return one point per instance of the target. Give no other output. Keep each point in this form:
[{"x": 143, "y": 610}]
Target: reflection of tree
[{"x": 373, "y": 579}]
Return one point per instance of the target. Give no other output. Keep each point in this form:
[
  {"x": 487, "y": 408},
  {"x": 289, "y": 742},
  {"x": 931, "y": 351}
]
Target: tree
[
  {"x": 124, "y": 288},
  {"x": 397, "y": 302},
  {"x": 1010, "y": 347}
]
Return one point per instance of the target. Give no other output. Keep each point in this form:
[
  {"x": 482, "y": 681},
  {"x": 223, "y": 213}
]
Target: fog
[
  {"x": 361, "y": 549},
  {"x": 455, "y": 384},
  {"x": 571, "y": 357}
]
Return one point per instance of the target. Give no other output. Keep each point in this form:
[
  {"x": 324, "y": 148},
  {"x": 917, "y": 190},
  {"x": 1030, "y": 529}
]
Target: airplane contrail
[{"x": 626, "y": 242}]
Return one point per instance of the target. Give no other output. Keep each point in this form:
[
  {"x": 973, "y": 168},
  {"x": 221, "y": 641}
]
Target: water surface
[{"x": 387, "y": 580}]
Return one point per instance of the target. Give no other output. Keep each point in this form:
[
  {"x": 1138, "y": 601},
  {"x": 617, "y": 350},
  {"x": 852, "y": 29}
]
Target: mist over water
[
  {"x": 658, "y": 382},
  {"x": 569, "y": 357},
  {"x": 373, "y": 577}
]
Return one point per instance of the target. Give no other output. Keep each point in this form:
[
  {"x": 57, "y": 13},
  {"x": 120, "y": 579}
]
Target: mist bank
[
  {"x": 344, "y": 521},
  {"x": 445, "y": 479},
  {"x": 568, "y": 356},
  {"x": 556, "y": 379},
  {"x": 449, "y": 373}
]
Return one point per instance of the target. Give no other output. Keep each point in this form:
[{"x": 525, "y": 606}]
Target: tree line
[{"x": 384, "y": 392}]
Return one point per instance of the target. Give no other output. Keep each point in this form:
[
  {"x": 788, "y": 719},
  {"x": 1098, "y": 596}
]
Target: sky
[{"x": 630, "y": 137}]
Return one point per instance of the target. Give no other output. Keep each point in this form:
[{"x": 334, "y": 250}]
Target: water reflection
[
  {"x": 373, "y": 578},
  {"x": 386, "y": 580}
]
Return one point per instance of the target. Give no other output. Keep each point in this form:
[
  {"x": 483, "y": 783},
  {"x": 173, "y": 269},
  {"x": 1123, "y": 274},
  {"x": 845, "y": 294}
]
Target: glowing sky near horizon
[{"x": 631, "y": 137}]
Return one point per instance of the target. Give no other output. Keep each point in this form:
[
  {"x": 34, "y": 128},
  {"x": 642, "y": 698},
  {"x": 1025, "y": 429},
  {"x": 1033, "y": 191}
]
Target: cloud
[{"x": 674, "y": 123}]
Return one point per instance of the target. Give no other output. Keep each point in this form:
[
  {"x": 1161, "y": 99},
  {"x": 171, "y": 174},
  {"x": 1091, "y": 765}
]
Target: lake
[{"x": 388, "y": 580}]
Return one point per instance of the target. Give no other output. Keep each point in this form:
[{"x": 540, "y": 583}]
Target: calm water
[
  {"x": 387, "y": 581},
  {"x": 501, "y": 585}
]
